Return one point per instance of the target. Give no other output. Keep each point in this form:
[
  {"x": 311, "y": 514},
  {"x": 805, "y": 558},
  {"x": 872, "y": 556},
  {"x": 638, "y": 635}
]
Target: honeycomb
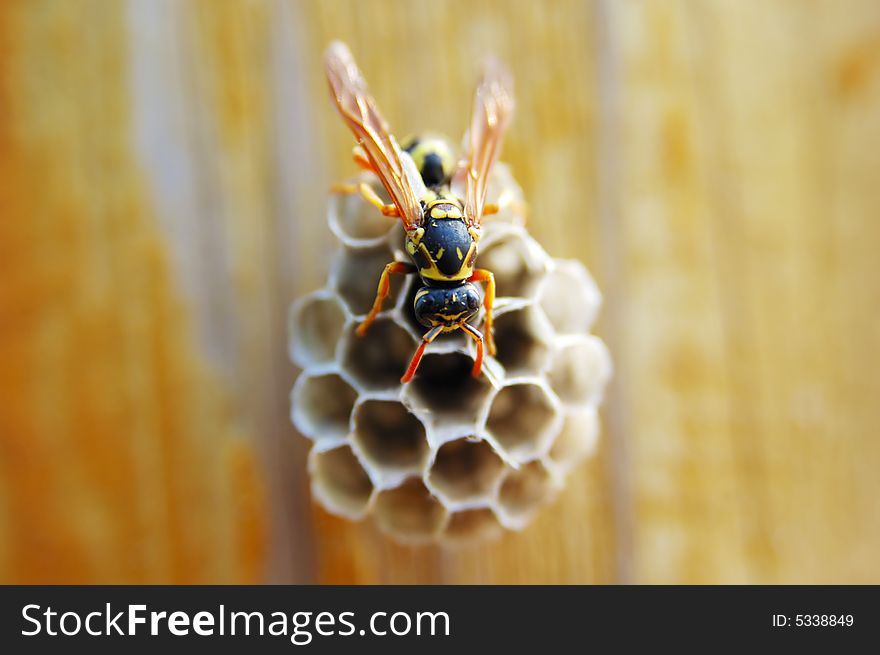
[{"x": 447, "y": 457}]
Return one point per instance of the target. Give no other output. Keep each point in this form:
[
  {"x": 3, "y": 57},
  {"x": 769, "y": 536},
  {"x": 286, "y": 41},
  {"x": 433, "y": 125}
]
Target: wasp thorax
[
  {"x": 444, "y": 250},
  {"x": 447, "y": 306}
]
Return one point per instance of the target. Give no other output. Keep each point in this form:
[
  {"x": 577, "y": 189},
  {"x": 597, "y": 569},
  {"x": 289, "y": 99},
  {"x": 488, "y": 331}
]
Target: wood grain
[
  {"x": 120, "y": 458},
  {"x": 713, "y": 163},
  {"x": 745, "y": 210}
]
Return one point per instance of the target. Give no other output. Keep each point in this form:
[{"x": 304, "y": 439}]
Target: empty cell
[
  {"x": 522, "y": 419},
  {"x": 355, "y": 221},
  {"x": 569, "y": 297},
  {"x": 444, "y": 387},
  {"x": 356, "y": 274},
  {"x": 409, "y": 511},
  {"x": 465, "y": 470},
  {"x": 521, "y": 338},
  {"x": 517, "y": 262},
  {"x": 580, "y": 370},
  {"x": 316, "y": 324},
  {"x": 472, "y": 525},
  {"x": 340, "y": 483},
  {"x": 377, "y": 360},
  {"x": 322, "y": 406},
  {"x": 524, "y": 489},
  {"x": 577, "y": 439},
  {"x": 389, "y": 437}
]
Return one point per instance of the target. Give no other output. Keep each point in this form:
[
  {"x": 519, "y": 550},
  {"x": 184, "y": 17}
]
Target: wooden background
[{"x": 162, "y": 176}]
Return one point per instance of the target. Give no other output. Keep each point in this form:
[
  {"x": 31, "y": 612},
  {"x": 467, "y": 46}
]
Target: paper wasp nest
[{"x": 445, "y": 457}]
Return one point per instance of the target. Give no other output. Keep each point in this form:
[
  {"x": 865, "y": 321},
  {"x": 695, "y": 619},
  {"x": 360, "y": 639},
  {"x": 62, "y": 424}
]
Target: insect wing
[
  {"x": 493, "y": 107},
  {"x": 359, "y": 111}
]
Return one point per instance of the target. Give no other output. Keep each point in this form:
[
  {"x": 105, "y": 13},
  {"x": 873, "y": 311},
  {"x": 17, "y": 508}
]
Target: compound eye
[
  {"x": 427, "y": 303},
  {"x": 473, "y": 300}
]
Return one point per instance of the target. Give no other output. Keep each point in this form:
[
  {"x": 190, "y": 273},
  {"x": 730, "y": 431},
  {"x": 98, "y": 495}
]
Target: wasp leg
[
  {"x": 491, "y": 208},
  {"x": 429, "y": 336},
  {"x": 360, "y": 158},
  {"x": 476, "y": 336},
  {"x": 369, "y": 195},
  {"x": 505, "y": 201},
  {"x": 382, "y": 292},
  {"x": 482, "y": 275}
]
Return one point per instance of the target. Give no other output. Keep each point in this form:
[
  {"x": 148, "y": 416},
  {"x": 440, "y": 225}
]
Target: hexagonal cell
[
  {"x": 569, "y": 297},
  {"x": 409, "y": 511},
  {"x": 377, "y": 360},
  {"x": 465, "y": 470},
  {"x": 356, "y": 273},
  {"x": 517, "y": 262},
  {"x": 447, "y": 341},
  {"x": 524, "y": 490},
  {"x": 523, "y": 419},
  {"x": 444, "y": 387},
  {"x": 521, "y": 340},
  {"x": 472, "y": 525},
  {"x": 355, "y": 221},
  {"x": 321, "y": 406},
  {"x": 389, "y": 437},
  {"x": 397, "y": 242},
  {"x": 580, "y": 432},
  {"x": 339, "y": 482},
  {"x": 316, "y": 323},
  {"x": 580, "y": 369}
]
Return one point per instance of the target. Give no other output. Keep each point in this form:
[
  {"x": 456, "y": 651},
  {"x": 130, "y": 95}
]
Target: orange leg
[
  {"x": 490, "y": 208},
  {"x": 476, "y": 336},
  {"x": 382, "y": 292},
  {"x": 430, "y": 335},
  {"x": 369, "y": 195},
  {"x": 360, "y": 158},
  {"x": 482, "y": 275},
  {"x": 504, "y": 201}
]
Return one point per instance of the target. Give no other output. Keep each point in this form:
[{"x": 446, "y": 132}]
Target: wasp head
[{"x": 447, "y": 306}]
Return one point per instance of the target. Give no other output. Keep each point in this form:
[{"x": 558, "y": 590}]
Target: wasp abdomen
[{"x": 433, "y": 157}]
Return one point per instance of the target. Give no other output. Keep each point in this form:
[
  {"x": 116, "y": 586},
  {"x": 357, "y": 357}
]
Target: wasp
[{"x": 442, "y": 226}]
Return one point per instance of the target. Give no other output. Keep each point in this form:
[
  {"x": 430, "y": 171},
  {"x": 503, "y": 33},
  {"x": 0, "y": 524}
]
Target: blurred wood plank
[
  {"x": 215, "y": 113},
  {"x": 713, "y": 164},
  {"x": 121, "y": 461},
  {"x": 747, "y": 311}
]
